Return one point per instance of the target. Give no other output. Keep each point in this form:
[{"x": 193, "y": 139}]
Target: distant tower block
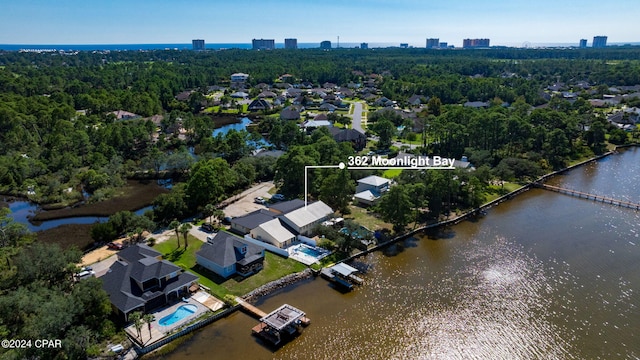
[
  {"x": 583, "y": 43},
  {"x": 433, "y": 43},
  {"x": 290, "y": 43},
  {"x": 599, "y": 41},
  {"x": 197, "y": 44},
  {"x": 263, "y": 44},
  {"x": 325, "y": 45}
]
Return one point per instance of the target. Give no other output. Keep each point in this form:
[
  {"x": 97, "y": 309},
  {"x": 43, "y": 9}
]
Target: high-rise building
[
  {"x": 364, "y": 45},
  {"x": 290, "y": 43},
  {"x": 444, "y": 45},
  {"x": 325, "y": 45},
  {"x": 599, "y": 41},
  {"x": 197, "y": 44},
  {"x": 433, "y": 43},
  {"x": 583, "y": 43},
  {"x": 263, "y": 44},
  {"x": 475, "y": 43}
]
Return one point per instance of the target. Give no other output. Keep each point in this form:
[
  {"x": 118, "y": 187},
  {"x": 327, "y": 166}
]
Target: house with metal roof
[
  {"x": 370, "y": 189},
  {"x": 274, "y": 233},
  {"x": 227, "y": 255},
  {"x": 304, "y": 219},
  {"x": 141, "y": 281}
]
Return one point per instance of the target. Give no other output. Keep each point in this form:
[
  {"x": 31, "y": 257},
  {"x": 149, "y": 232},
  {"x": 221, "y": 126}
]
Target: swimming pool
[
  {"x": 180, "y": 313},
  {"x": 311, "y": 251}
]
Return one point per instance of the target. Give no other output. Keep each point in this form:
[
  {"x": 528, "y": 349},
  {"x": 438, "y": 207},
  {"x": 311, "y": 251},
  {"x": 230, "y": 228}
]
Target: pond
[
  {"x": 241, "y": 125},
  {"x": 22, "y": 211}
]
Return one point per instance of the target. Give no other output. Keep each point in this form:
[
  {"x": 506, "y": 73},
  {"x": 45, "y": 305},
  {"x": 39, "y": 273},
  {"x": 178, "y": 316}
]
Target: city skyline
[{"x": 508, "y": 23}]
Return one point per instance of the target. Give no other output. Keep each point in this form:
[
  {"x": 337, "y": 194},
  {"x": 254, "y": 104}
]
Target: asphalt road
[{"x": 356, "y": 118}]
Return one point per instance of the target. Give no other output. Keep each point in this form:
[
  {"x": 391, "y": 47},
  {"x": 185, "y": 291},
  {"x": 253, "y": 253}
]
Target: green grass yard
[{"x": 275, "y": 267}]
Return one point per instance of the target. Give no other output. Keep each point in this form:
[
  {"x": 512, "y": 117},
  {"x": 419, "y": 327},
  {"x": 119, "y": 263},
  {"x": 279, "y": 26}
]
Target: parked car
[
  {"x": 277, "y": 197},
  {"x": 114, "y": 246},
  {"x": 227, "y": 220},
  {"x": 85, "y": 275},
  {"x": 259, "y": 200},
  {"x": 208, "y": 227}
]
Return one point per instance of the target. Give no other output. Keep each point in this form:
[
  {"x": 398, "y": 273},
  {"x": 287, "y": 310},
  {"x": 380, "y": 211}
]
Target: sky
[{"x": 511, "y": 23}]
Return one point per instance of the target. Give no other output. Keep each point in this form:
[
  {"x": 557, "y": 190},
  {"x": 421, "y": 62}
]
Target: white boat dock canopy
[
  {"x": 282, "y": 317},
  {"x": 344, "y": 269}
]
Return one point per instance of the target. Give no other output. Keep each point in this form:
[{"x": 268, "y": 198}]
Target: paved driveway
[{"x": 243, "y": 203}]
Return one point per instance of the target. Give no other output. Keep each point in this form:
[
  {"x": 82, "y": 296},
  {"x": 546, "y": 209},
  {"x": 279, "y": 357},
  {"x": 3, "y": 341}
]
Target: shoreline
[{"x": 292, "y": 279}]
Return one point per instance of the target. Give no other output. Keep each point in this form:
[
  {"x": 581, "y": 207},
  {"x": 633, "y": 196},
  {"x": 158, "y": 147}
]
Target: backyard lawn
[{"x": 275, "y": 267}]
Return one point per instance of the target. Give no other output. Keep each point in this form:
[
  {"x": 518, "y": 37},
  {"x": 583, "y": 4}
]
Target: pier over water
[{"x": 588, "y": 196}]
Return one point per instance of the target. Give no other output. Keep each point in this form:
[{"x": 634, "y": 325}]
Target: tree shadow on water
[{"x": 440, "y": 233}]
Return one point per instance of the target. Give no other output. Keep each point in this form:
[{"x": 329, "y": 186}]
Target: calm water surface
[{"x": 543, "y": 276}]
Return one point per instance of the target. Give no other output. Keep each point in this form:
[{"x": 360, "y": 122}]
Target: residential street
[{"x": 356, "y": 118}]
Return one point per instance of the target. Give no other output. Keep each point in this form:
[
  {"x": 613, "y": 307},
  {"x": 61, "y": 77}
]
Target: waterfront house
[
  {"x": 141, "y": 281},
  {"x": 370, "y": 189},
  {"x": 259, "y": 105},
  {"x": 274, "y": 233},
  {"x": 226, "y": 255},
  {"x": 304, "y": 219}
]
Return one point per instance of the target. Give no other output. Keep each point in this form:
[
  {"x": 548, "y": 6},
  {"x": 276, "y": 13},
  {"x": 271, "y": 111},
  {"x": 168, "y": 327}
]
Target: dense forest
[
  {"x": 48, "y": 147},
  {"x": 61, "y": 143}
]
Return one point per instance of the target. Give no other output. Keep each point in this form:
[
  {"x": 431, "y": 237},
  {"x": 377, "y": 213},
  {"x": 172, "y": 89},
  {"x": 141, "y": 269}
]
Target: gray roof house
[
  {"x": 258, "y": 105},
  {"x": 227, "y": 255},
  {"x": 286, "y": 206},
  {"x": 244, "y": 224},
  {"x": 290, "y": 113},
  {"x": 141, "y": 281},
  {"x": 357, "y": 139}
]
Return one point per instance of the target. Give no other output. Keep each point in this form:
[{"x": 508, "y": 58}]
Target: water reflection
[
  {"x": 23, "y": 211},
  {"x": 543, "y": 276}
]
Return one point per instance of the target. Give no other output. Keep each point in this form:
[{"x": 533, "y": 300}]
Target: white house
[
  {"x": 374, "y": 184},
  {"x": 239, "y": 77},
  {"x": 304, "y": 219},
  {"x": 370, "y": 189},
  {"x": 274, "y": 233}
]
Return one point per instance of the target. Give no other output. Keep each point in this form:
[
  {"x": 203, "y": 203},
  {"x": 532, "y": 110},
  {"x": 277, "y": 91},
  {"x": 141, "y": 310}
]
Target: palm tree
[
  {"x": 219, "y": 215},
  {"x": 184, "y": 230},
  {"x": 175, "y": 224},
  {"x": 136, "y": 319},
  {"x": 148, "y": 318},
  {"x": 209, "y": 210}
]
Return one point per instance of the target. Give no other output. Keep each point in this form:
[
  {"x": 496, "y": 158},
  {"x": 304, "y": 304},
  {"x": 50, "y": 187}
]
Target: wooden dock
[
  {"x": 251, "y": 309},
  {"x": 594, "y": 197}
]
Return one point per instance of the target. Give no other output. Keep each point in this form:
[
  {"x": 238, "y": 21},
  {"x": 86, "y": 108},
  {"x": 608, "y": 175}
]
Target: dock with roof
[
  {"x": 342, "y": 275},
  {"x": 279, "y": 325}
]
